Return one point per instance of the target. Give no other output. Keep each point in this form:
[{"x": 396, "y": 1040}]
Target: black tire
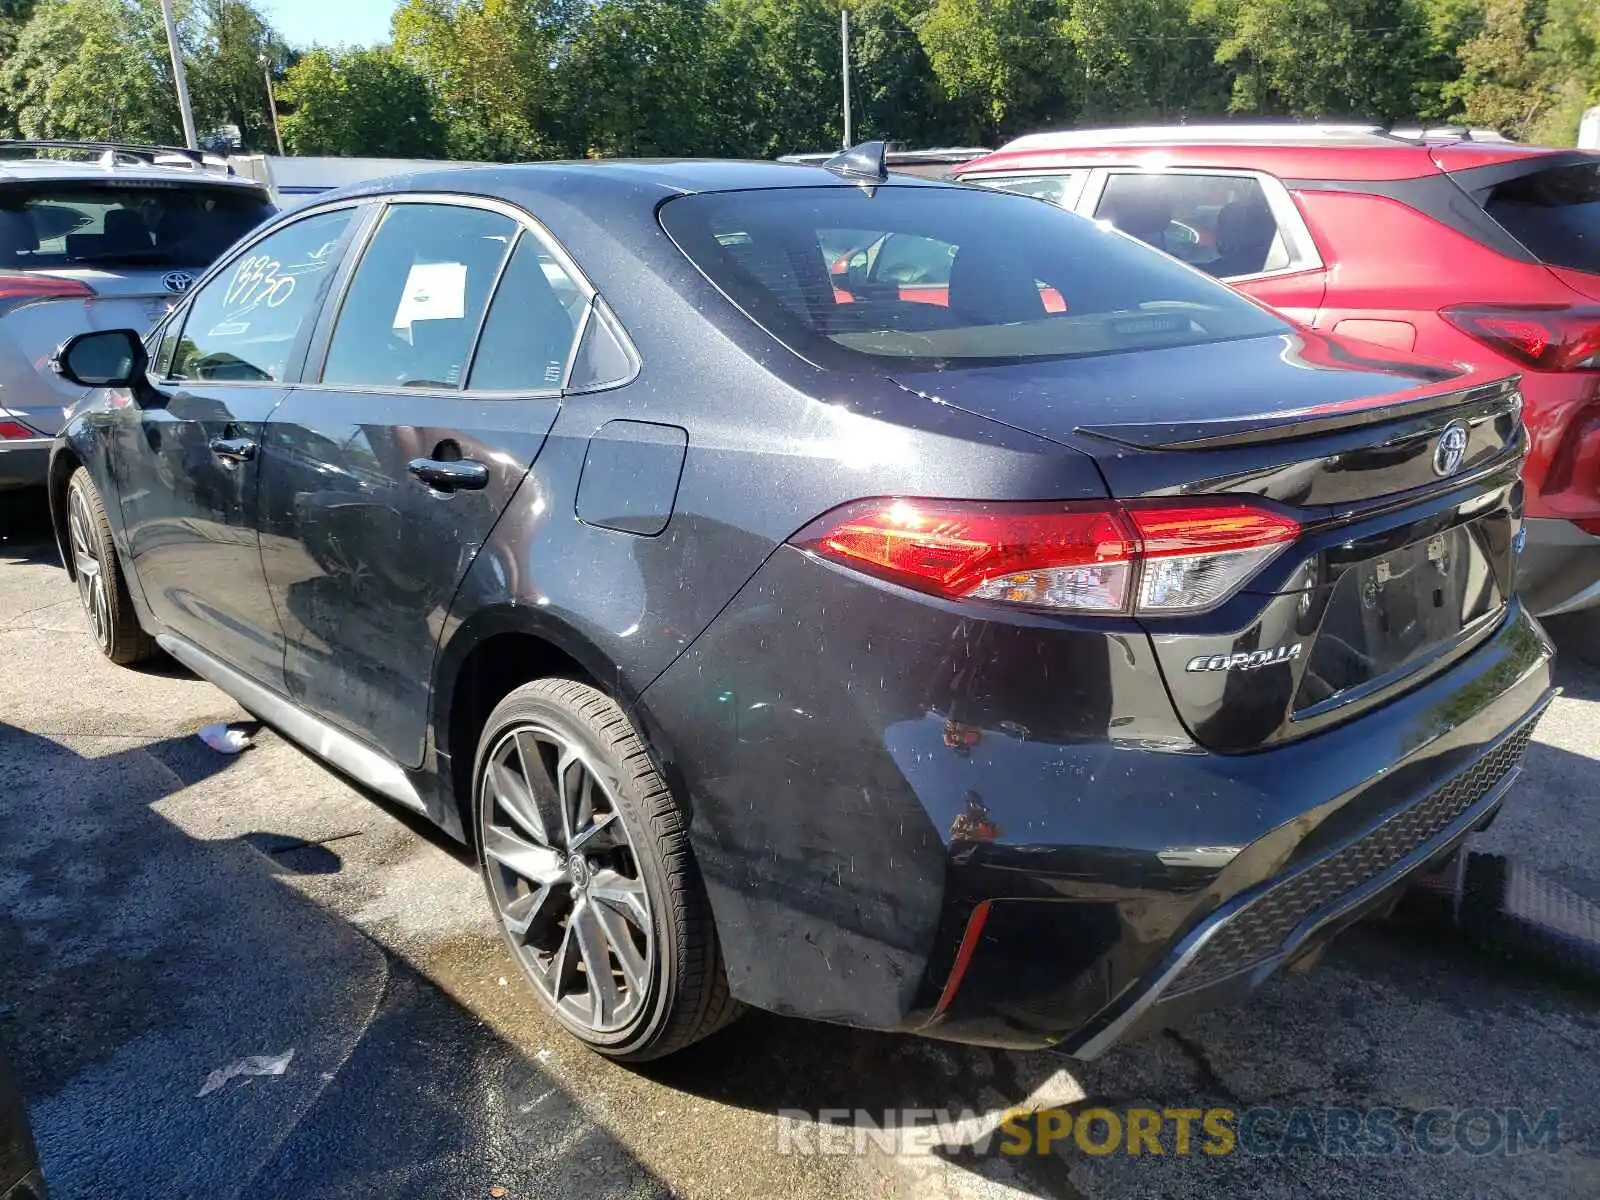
[
  {"x": 103, "y": 591},
  {"x": 683, "y": 995}
]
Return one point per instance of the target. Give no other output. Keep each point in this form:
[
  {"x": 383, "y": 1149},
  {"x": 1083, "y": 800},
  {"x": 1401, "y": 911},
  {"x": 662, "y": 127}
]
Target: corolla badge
[
  {"x": 177, "y": 281},
  {"x": 1245, "y": 661},
  {"x": 1450, "y": 449}
]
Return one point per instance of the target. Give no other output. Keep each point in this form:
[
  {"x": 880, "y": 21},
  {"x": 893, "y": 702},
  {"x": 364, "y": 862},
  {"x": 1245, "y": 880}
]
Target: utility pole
[
  {"x": 179, "y": 78},
  {"x": 844, "y": 54},
  {"x": 272, "y": 102}
]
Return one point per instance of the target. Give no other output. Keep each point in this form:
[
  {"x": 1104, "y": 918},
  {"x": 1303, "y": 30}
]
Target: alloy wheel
[
  {"x": 565, "y": 880},
  {"x": 86, "y": 565}
]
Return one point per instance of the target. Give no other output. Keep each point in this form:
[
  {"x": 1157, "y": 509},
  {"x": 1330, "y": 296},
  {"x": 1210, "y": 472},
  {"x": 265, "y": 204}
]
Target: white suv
[{"x": 96, "y": 235}]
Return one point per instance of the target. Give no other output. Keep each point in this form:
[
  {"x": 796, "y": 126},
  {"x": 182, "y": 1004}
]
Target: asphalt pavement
[{"x": 166, "y": 911}]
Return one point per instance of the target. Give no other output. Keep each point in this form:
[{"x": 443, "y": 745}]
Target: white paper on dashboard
[{"x": 433, "y": 292}]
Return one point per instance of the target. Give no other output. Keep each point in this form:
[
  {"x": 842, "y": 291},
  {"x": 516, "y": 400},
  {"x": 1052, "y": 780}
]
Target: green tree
[
  {"x": 632, "y": 80},
  {"x": 1003, "y": 64},
  {"x": 234, "y": 47},
  {"x": 1569, "y": 45},
  {"x": 773, "y": 77},
  {"x": 1144, "y": 59},
  {"x": 14, "y": 15},
  {"x": 359, "y": 102},
  {"x": 1530, "y": 68},
  {"x": 489, "y": 67},
  {"x": 1366, "y": 59},
  {"x": 1503, "y": 83},
  {"x": 893, "y": 87},
  {"x": 92, "y": 69}
]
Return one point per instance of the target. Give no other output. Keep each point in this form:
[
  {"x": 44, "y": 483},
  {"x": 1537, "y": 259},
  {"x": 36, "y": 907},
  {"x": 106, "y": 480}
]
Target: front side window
[
  {"x": 1222, "y": 224},
  {"x": 59, "y": 226},
  {"x": 244, "y": 323},
  {"x": 1003, "y": 279},
  {"x": 414, "y": 304}
]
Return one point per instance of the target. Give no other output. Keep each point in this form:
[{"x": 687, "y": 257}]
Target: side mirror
[{"x": 104, "y": 358}]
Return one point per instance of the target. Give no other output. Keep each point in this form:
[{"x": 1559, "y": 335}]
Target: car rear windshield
[
  {"x": 1555, "y": 213},
  {"x": 108, "y": 225},
  {"x": 850, "y": 276}
]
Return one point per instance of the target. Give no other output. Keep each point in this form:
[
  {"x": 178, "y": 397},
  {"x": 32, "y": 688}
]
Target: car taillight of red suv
[{"x": 1451, "y": 244}]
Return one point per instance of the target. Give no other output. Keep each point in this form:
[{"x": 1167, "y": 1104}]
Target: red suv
[{"x": 1478, "y": 250}]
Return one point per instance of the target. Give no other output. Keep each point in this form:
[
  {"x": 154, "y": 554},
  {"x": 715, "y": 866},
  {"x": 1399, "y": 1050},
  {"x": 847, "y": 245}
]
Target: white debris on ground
[
  {"x": 225, "y": 740},
  {"x": 255, "y": 1064}
]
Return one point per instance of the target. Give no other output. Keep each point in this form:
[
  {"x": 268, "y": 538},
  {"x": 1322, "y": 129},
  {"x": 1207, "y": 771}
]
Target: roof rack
[
  {"x": 111, "y": 153},
  {"x": 1448, "y": 133},
  {"x": 1241, "y": 132},
  {"x": 1222, "y": 132}
]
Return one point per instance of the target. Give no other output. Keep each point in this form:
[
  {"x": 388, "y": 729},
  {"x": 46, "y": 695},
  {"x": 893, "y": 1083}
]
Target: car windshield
[
  {"x": 69, "y": 225},
  {"x": 850, "y": 276},
  {"x": 1555, "y": 213}
]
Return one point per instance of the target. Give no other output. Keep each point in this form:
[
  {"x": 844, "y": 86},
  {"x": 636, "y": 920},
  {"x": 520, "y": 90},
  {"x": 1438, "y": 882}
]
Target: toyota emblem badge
[
  {"x": 177, "y": 281},
  {"x": 1449, "y": 451}
]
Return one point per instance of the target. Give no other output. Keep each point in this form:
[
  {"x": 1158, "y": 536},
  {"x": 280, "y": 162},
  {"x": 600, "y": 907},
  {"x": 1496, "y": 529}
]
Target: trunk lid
[{"x": 1402, "y": 475}]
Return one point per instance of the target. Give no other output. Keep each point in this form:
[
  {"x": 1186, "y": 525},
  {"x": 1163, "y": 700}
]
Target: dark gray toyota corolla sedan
[{"x": 864, "y": 598}]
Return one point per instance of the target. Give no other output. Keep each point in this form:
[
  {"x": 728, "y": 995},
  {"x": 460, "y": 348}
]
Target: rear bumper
[
  {"x": 1236, "y": 949},
  {"x": 24, "y": 462},
  {"x": 996, "y": 831},
  {"x": 1453, "y": 747},
  {"x": 1559, "y": 570}
]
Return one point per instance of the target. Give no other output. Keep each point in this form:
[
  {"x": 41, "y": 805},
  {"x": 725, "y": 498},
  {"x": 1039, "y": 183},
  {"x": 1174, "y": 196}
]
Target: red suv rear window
[{"x": 1555, "y": 213}]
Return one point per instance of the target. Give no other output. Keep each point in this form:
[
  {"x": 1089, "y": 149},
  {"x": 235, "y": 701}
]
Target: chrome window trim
[{"x": 527, "y": 224}]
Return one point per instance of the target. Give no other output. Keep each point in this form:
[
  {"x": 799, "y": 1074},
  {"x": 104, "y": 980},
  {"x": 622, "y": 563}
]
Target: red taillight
[
  {"x": 1195, "y": 556},
  {"x": 10, "y": 430},
  {"x": 1150, "y": 557},
  {"x": 22, "y": 288},
  {"x": 1545, "y": 337}
]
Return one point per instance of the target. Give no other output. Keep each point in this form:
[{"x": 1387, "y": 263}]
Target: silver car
[{"x": 96, "y": 236}]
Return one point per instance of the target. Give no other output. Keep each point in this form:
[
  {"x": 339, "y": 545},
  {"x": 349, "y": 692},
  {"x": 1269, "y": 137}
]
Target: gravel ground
[{"x": 166, "y": 911}]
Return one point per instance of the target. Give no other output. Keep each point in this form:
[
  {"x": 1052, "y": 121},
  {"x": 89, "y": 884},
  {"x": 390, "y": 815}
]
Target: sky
[{"x": 330, "y": 22}]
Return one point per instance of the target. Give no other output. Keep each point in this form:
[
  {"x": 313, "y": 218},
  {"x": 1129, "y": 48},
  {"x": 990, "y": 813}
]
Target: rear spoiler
[{"x": 1296, "y": 423}]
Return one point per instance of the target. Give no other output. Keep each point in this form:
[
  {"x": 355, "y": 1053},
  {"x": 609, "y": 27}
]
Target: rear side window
[
  {"x": 1555, "y": 213},
  {"x": 106, "y": 225},
  {"x": 945, "y": 276},
  {"x": 1219, "y": 223},
  {"x": 414, "y": 303},
  {"x": 244, "y": 323},
  {"x": 532, "y": 320}
]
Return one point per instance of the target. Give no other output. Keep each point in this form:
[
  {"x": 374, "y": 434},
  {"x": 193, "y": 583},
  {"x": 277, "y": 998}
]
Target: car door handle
[
  {"x": 233, "y": 449},
  {"x": 462, "y": 474}
]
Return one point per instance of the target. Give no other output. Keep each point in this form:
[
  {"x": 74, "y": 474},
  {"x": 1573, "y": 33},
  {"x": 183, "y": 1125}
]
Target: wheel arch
[
  {"x": 64, "y": 461},
  {"x": 498, "y": 650}
]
